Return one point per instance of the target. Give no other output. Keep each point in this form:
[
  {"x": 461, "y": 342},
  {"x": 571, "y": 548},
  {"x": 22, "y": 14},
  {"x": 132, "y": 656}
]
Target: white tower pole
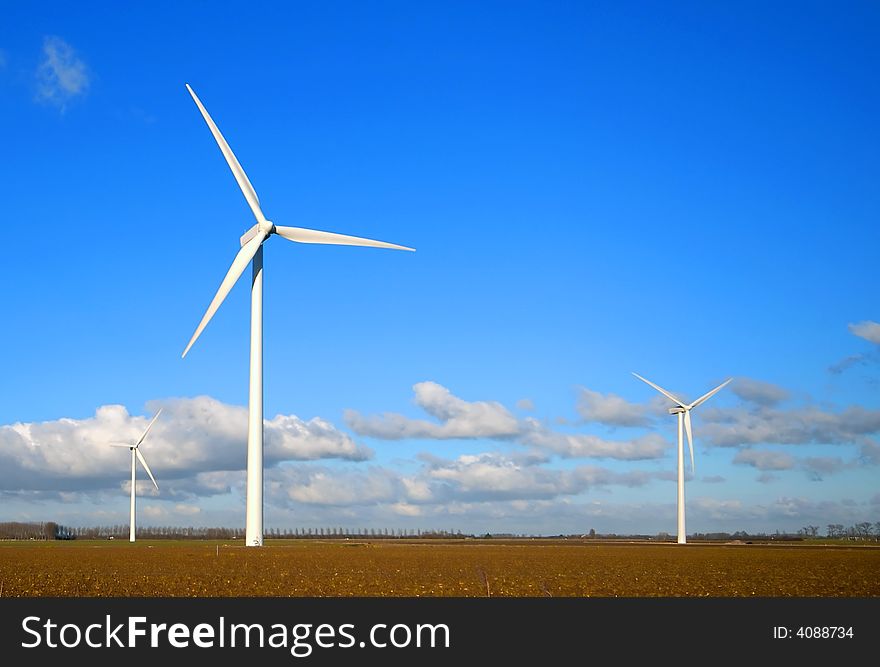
[
  {"x": 254, "y": 511},
  {"x": 682, "y": 534},
  {"x": 131, "y": 517}
]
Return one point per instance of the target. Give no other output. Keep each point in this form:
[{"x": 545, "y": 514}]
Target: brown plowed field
[{"x": 435, "y": 568}]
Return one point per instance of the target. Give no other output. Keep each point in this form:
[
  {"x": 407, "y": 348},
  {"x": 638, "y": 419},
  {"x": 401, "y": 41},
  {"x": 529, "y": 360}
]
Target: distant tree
[
  {"x": 863, "y": 529},
  {"x": 592, "y": 532},
  {"x": 835, "y": 530},
  {"x": 50, "y": 530}
]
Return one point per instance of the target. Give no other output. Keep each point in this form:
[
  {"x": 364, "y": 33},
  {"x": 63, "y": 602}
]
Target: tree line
[{"x": 49, "y": 530}]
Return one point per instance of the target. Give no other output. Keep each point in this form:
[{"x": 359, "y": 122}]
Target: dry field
[{"x": 433, "y": 568}]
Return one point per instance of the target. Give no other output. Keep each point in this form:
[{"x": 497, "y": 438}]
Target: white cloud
[
  {"x": 610, "y": 409},
  {"x": 491, "y": 476},
  {"x": 765, "y": 460},
  {"x": 712, "y": 479},
  {"x": 758, "y": 392},
  {"x": 525, "y": 404},
  {"x": 816, "y": 467},
  {"x": 197, "y": 450},
  {"x": 732, "y": 427},
  {"x": 869, "y": 452},
  {"x": 470, "y": 478},
  {"x": 314, "y": 485},
  {"x": 460, "y": 419},
  {"x": 579, "y": 445},
  {"x": 179, "y": 510},
  {"x": 61, "y": 75},
  {"x": 820, "y": 466},
  {"x": 194, "y": 436},
  {"x": 405, "y": 509},
  {"x": 778, "y": 513},
  {"x": 868, "y": 330}
]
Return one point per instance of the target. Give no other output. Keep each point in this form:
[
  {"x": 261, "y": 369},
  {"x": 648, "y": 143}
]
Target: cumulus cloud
[
  {"x": 579, "y": 445},
  {"x": 318, "y": 485},
  {"x": 457, "y": 418},
  {"x": 461, "y": 419},
  {"x": 818, "y": 467},
  {"x": 758, "y": 392},
  {"x": 610, "y": 409},
  {"x": 470, "y": 478},
  {"x": 162, "y": 512},
  {"x": 61, "y": 75},
  {"x": 868, "y": 330},
  {"x": 205, "y": 484},
  {"x": 764, "y": 460},
  {"x": 766, "y": 478},
  {"x": 194, "y": 436},
  {"x": 712, "y": 479},
  {"x": 732, "y": 427},
  {"x": 869, "y": 452},
  {"x": 779, "y": 512},
  {"x": 491, "y": 476}
]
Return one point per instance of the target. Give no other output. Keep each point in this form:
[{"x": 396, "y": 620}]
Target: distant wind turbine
[
  {"x": 252, "y": 252},
  {"x": 136, "y": 452},
  {"x": 683, "y": 410}
]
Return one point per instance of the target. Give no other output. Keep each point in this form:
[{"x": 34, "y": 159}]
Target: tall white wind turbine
[
  {"x": 136, "y": 453},
  {"x": 683, "y": 410},
  {"x": 252, "y": 252}
]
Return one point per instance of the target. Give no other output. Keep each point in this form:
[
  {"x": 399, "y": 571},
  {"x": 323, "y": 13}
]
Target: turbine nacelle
[{"x": 677, "y": 410}]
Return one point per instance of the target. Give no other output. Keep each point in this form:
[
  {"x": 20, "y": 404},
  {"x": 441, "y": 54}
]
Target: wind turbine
[
  {"x": 252, "y": 251},
  {"x": 683, "y": 410},
  {"x": 136, "y": 453}
]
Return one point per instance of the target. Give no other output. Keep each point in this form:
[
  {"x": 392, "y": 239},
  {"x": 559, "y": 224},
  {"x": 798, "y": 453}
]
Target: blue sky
[{"x": 685, "y": 192}]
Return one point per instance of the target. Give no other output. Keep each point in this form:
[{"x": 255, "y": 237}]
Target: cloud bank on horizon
[{"x": 523, "y": 469}]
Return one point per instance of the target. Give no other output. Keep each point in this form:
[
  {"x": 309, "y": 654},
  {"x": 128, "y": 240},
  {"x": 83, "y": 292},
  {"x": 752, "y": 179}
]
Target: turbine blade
[
  {"x": 241, "y": 178},
  {"x": 245, "y": 255},
  {"x": 690, "y": 434},
  {"x": 146, "y": 467},
  {"x": 705, "y": 397},
  {"x": 301, "y": 235},
  {"x": 668, "y": 395},
  {"x": 149, "y": 426}
]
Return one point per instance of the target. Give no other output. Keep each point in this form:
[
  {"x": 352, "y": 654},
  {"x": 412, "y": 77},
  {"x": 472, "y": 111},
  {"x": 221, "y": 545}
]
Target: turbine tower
[
  {"x": 136, "y": 453},
  {"x": 683, "y": 410},
  {"x": 252, "y": 252}
]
